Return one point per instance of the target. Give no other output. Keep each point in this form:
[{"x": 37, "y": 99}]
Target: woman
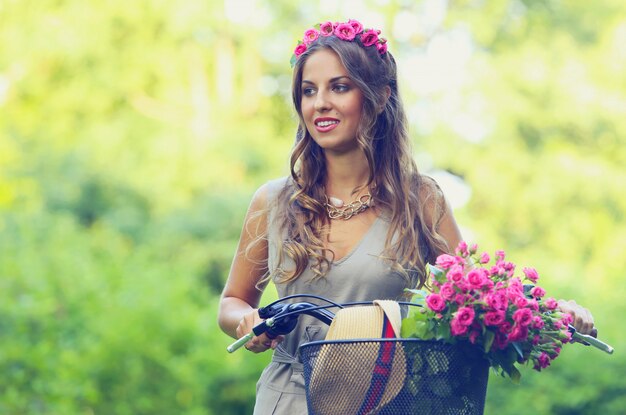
[{"x": 355, "y": 221}]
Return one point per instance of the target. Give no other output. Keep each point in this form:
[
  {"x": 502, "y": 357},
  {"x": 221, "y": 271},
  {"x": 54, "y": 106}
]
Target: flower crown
[{"x": 350, "y": 31}]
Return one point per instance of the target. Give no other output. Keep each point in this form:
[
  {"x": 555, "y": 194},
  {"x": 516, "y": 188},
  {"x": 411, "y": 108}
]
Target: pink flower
[
  {"x": 461, "y": 249},
  {"x": 500, "y": 341},
  {"x": 475, "y": 278},
  {"x": 550, "y": 303},
  {"x": 484, "y": 258},
  {"x": 345, "y": 31},
  {"x": 500, "y": 255},
  {"x": 459, "y": 299},
  {"x": 457, "y": 328},
  {"x": 520, "y": 301},
  {"x": 494, "y": 318},
  {"x": 435, "y": 302},
  {"x": 533, "y": 304},
  {"x": 382, "y": 48},
  {"x": 505, "y": 327},
  {"x": 455, "y": 274},
  {"x": 310, "y": 36},
  {"x": 567, "y": 319},
  {"x": 473, "y": 336},
  {"x": 300, "y": 49},
  {"x": 465, "y": 315},
  {"x": 447, "y": 291},
  {"x": 523, "y": 317},
  {"x": 473, "y": 248},
  {"x": 531, "y": 274},
  {"x": 542, "y": 362},
  {"x": 445, "y": 261},
  {"x": 518, "y": 333},
  {"x": 356, "y": 25},
  {"x": 327, "y": 28},
  {"x": 537, "y": 292},
  {"x": 538, "y": 323},
  {"x": 497, "y": 300},
  {"x": 369, "y": 38}
]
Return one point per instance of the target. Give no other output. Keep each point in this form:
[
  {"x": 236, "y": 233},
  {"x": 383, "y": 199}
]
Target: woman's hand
[
  {"x": 260, "y": 343},
  {"x": 582, "y": 318}
]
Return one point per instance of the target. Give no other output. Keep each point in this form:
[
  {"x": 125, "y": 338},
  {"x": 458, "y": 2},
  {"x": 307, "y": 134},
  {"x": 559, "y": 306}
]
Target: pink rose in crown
[
  {"x": 310, "y": 36},
  {"x": 300, "y": 49},
  {"x": 327, "y": 28},
  {"x": 382, "y": 48},
  {"x": 345, "y": 31},
  {"x": 356, "y": 25},
  {"x": 369, "y": 37}
]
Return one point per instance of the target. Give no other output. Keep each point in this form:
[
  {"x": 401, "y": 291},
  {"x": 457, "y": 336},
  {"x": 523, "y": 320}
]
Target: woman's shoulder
[{"x": 268, "y": 191}]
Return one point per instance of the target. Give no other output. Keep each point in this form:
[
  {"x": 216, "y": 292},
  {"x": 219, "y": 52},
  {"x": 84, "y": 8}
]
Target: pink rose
[
  {"x": 327, "y": 28},
  {"x": 537, "y": 292},
  {"x": 567, "y": 319},
  {"x": 520, "y": 301},
  {"x": 356, "y": 25},
  {"x": 538, "y": 322},
  {"x": 369, "y": 38},
  {"x": 456, "y": 328},
  {"x": 500, "y": 341},
  {"x": 310, "y": 36},
  {"x": 523, "y": 317},
  {"x": 494, "y": 318},
  {"x": 505, "y": 327},
  {"x": 300, "y": 49},
  {"x": 465, "y": 315},
  {"x": 542, "y": 362},
  {"x": 487, "y": 284},
  {"x": 461, "y": 249},
  {"x": 500, "y": 255},
  {"x": 484, "y": 258},
  {"x": 497, "y": 300},
  {"x": 455, "y": 274},
  {"x": 435, "y": 302},
  {"x": 445, "y": 261},
  {"x": 475, "y": 278},
  {"x": 473, "y": 336},
  {"x": 459, "y": 299},
  {"x": 531, "y": 274},
  {"x": 382, "y": 48},
  {"x": 473, "y": 248},
  {"x": 345, "y": 31},
  {"x": 518, "y": 333},
  {"x": 550, "y": 303},
  {"x": 447, "y": 291}
]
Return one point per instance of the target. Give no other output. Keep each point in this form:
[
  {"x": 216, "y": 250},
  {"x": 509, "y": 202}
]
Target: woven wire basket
[{"x": 393, "y": 376}]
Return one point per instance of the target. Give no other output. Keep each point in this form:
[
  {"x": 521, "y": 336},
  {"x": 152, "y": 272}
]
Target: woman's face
[{"x": 331, "y": 103}]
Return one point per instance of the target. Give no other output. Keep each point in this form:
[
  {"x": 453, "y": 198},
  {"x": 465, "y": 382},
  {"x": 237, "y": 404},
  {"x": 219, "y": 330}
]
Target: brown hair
[{"x": 398, "y": 188}]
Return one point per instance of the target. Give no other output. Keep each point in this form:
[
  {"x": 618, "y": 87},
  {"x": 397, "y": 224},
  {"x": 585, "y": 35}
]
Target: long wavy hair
[{"x": 398, "y": 188}]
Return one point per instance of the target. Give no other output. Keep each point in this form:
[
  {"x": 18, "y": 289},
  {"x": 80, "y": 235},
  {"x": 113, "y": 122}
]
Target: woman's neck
[{"x": 345, "y": 173}]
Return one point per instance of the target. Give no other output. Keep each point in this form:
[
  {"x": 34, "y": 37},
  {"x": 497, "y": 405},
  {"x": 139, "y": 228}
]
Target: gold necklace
[{"x": 336, "y": 209}]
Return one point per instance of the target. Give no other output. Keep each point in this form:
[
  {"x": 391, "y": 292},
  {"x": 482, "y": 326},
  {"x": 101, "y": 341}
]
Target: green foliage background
[{"x": 132, "y": 135}]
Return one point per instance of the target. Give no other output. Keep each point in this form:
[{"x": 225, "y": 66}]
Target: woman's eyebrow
[{"x": 335, "y": 79}]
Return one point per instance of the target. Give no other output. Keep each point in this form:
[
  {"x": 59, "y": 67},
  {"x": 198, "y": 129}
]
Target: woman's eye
[
  {"x": 308, "y": 92},
  {"x": 341, "y": 88}
]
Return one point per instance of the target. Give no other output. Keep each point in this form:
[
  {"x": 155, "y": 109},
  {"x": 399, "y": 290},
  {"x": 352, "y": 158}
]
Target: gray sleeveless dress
[{"x": 359, "y": 276}]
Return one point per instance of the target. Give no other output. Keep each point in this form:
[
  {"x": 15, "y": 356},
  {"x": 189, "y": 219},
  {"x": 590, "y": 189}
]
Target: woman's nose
[{"x": 321, "y": 102}]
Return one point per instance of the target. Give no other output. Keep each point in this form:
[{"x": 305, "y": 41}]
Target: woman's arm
[{"x": 241, "y": 295}]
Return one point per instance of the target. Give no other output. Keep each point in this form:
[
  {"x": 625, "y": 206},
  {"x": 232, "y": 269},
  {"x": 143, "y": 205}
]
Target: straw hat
[{"x": 359, "y": 378}]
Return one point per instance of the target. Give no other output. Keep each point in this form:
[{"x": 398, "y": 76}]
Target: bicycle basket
[{"x": 393, "y": 376}]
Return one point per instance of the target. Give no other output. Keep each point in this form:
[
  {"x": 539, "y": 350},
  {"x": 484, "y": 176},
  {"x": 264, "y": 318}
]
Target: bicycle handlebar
[{"x": 282, "y": 318}]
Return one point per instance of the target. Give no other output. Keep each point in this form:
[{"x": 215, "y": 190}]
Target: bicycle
[{"x": 383, "y": 375}]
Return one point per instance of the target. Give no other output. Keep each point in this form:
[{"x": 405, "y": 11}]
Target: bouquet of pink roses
[{"x": 491, "y": 308}]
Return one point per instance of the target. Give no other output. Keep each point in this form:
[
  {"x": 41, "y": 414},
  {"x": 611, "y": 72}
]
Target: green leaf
[
  {"x": 514, "y": 374},
  {"x": 489, "y": 337},
  {"x": 518, "y": 349},
  {"x": 437, "y": 272}
]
